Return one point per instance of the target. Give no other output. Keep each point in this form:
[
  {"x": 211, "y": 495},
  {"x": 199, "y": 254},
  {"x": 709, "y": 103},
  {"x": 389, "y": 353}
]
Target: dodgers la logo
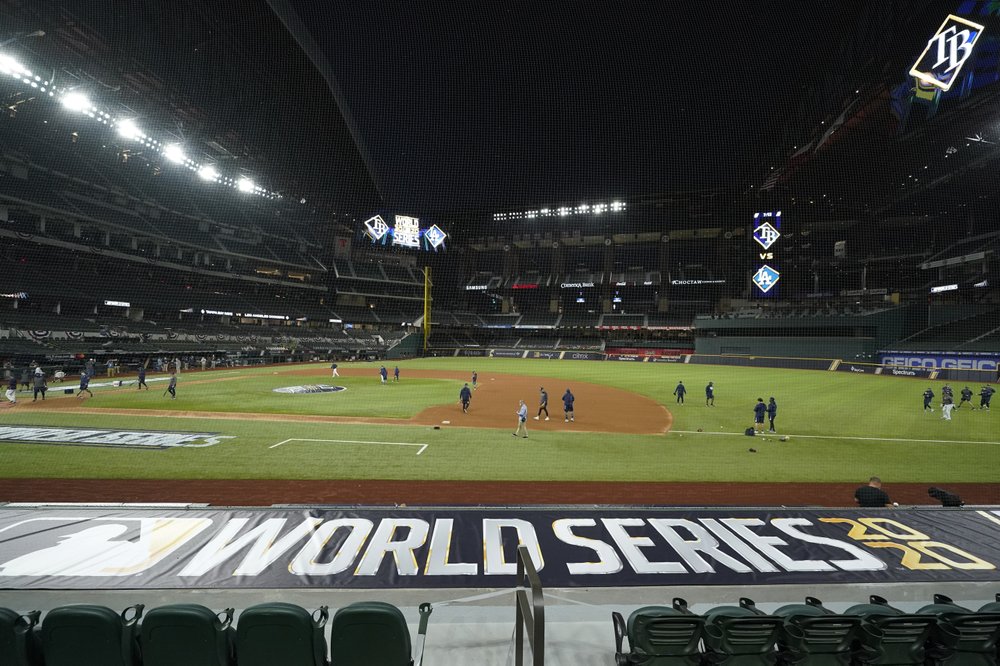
[
  {"x": 766, "y": 235},
  {"x": 942, "y": 60},
  {"x": 766, "y": 278}
]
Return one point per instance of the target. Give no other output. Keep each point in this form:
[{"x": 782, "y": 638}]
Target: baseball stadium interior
[{"x": 351, "y": 244}]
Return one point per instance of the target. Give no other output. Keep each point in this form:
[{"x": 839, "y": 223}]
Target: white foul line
[
  {"x": 423, "y": 447},
  {"x": 868, "y": 439}
]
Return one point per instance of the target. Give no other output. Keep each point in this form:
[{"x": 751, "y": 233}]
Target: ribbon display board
[{"x": 69, "y": 548}]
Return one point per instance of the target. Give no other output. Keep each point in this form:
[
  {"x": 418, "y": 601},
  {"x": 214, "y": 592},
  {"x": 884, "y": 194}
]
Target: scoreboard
[
  {"x": 766, "y": 242},
  {"x": 406, "y": 232}
]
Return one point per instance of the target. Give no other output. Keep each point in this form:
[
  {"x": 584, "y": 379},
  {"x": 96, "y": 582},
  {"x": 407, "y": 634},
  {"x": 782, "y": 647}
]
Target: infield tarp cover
[{"x": 69, "y": 548}]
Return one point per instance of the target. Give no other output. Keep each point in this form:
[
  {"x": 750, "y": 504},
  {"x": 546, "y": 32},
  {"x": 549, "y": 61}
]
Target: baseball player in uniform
[
  {"x": 568, "y": 400},
  {"x": 40, "y": 385},
  {"x": 142, "y": 378},
  {"x": 475, "y": 380},
  {"x": 465, "y": 397},
  {"x": 333, "y": 368},
  {"x": 759, "y": 410},
  {"x": 172, "y": 386},
  {"x": 85, "y": 385},
  {"x": 710, "y": 395},
  {"x": 384, "y": 374},
  {"x": 12, "y": 389},
  {"x": 679, "y": 392},
  {"x": 947, "y": 404}
]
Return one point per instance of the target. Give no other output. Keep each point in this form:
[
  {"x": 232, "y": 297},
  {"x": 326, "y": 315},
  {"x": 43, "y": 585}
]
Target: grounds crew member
[
  {"x": 40, "y": 386},
  {"x": 522, "y": 421},
  {"x": 543, "y": 404}
]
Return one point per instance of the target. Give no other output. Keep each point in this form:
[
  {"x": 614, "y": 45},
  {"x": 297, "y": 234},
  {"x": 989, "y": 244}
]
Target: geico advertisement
[{"x": 476, "y": 548}]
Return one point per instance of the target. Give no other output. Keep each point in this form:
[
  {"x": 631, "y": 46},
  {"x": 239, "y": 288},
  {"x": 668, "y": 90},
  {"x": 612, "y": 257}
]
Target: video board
[
  {"x": 766, "y": 236},
  {"x": 406, "y": 232}
]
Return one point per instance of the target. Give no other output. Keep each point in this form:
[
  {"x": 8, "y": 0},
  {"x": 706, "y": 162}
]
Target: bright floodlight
[
  {"x": 245, "y": 185},
  {"x": 75, "y": 101},
  {"x": 174, "y": 153},
  {"x": 10, "y": 66},
  {"x": 208, "y": 173},
  {"x": 128, "y": 129}
]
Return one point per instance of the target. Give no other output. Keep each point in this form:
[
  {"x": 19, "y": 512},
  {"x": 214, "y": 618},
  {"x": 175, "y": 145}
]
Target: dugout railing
[{"x": 529, "y": 611}]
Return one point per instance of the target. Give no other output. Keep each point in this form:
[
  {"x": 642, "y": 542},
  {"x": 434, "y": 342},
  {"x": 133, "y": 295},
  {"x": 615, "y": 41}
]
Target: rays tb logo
[
  {"x": 947, "y": 52},
  {"x": 766, "y": 235}
]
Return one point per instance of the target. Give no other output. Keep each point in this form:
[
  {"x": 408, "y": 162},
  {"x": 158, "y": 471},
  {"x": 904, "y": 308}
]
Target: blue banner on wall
[
  {"x": 933, "y": 361},
  {"x": 68, "y": 548}
]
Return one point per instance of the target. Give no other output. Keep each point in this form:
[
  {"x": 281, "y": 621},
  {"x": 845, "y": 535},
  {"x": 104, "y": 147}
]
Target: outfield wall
[{"x": 988, "y": 372}]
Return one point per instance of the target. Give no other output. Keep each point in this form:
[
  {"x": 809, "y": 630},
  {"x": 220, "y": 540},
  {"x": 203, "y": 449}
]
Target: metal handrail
[{"x": 530, "y": 611}]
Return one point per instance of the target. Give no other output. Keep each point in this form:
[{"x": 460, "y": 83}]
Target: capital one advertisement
[{"x": 268, "y": 548}]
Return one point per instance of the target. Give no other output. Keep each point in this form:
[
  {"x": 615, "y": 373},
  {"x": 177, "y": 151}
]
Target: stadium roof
[
  {"x": 522, "y": 102},
  {"x": 232, "y": 86}
]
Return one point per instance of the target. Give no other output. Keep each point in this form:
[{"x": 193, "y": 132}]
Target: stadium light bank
[{"x": 77, "y": 101}]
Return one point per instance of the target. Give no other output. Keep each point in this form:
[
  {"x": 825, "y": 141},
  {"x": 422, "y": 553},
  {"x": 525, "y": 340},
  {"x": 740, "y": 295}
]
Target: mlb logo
[{"x": 947, "y": 52}]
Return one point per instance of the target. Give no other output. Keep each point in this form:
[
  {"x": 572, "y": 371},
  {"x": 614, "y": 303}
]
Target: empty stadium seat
[
  {"x": 18, "y": 640},
  {"x": 370, "y": 632},
  {"x": 87, "y": 635},
  {"x": 659, "y": 636},
  {"x": 188, "y": 634},
  {"x": 904, "y": 636},
  {"x": 743, "y": 636},
  {"x": 823, "y": 637},
  {"x": 280, "y": 633},
  {"x": 977, "y": 633}
]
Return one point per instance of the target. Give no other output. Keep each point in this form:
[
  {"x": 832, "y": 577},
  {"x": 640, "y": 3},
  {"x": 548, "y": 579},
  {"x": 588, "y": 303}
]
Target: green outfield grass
[{"x": 835, "y": 407}]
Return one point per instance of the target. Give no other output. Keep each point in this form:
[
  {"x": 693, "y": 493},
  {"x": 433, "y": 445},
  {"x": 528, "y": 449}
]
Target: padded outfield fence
[{"x": 938, "y": 370}]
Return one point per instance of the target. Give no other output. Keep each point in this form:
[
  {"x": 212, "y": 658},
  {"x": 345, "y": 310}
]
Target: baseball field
[{"x": 840, "y": 429}]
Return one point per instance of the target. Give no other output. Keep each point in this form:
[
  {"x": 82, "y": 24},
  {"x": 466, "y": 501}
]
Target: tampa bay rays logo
[
  {"x": 101, "y": 547},
  {"x": 766, "y": 235},
  {"x": 376, "y": 228},
  {"x": 950, "y": 48}
]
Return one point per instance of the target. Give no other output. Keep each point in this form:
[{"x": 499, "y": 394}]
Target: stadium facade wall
[{"x": 795, "y": 347}]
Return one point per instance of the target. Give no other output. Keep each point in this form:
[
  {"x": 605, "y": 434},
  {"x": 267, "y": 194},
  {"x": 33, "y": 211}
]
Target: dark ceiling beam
[{"x": 300, "y": 33}]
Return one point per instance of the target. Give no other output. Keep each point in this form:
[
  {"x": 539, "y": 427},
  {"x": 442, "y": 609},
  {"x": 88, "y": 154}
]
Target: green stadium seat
[
  {"x": 87, "y": 635},
  {"x": 370, "y": 632},
  {"x": 743, "y": 636},
  {"x": 188, "y": 634},
  {"x": 978, "y": 633},
  {"x": 992, "y": 607},
  {"x": 904, "y": 636},
  {"x": 280, "y": 633},
  {"x": 659, "y": 636},
  {"x": 823, "y": 637},
  {"x": 18, "y": 640}
]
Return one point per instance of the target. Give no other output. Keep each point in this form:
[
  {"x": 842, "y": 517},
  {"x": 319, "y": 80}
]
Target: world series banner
[{"x": 67, "y": 548}]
